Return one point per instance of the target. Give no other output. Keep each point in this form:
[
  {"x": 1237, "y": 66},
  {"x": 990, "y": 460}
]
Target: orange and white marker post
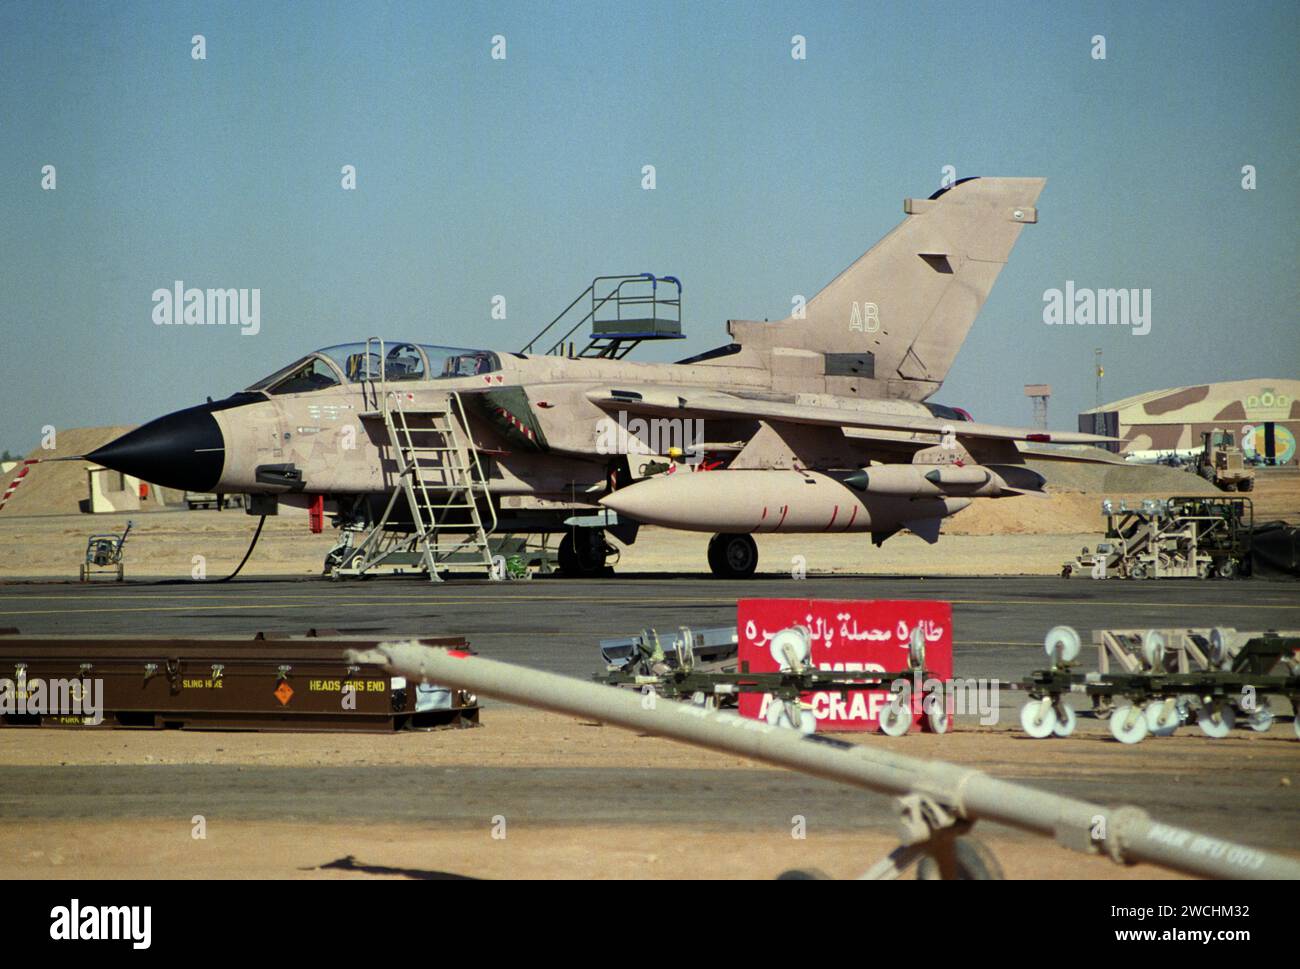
[{"x": 18, "y": 479}]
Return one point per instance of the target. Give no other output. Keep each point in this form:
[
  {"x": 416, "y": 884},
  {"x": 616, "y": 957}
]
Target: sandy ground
[
  {"x": 706, "y": 819},
  {"x": 166, "y": 546}
]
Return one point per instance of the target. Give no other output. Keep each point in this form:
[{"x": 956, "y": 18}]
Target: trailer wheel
[
  {"x": 1038, "y": 718},
  {"x": 1216, "y": 721},
  {"x": 1228, "y": 569},
  {"x": 895, "y": 720},
  {"x": 1128, "y": 724},
  {"x": 1160, "y": 723},
  {"x": 1261, "y": 721},
  {"x": 1066, "y": 719},
  {"x": 803, "y": 875},
  {"x": 938, "y": 720},
  {"x": 971, "y": 861}
]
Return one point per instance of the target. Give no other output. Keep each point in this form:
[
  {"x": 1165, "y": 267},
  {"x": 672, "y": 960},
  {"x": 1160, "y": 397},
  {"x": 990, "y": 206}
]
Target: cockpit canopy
[{"x": 355, "y": 362}]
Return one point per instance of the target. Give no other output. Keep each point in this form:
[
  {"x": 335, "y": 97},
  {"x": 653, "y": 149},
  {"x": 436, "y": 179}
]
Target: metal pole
[{"x": 1127, "y": 834}]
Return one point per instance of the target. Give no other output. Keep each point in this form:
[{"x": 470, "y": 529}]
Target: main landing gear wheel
[
  {"x": 733, "y": 556},
  {"x": 582, "y": 552},
  {"x": 1128, "y": 724},
  {"x": 1038, "y": 718},
  {"x": 1216, "y": 721}
]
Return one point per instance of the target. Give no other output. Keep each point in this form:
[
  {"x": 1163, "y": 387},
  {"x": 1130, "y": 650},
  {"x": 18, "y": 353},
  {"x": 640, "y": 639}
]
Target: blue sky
[{"x": 522, "y": 177}]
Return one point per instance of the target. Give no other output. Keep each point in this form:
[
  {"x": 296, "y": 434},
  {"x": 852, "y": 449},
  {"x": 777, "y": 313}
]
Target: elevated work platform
[{"x": 623, "y": 311}]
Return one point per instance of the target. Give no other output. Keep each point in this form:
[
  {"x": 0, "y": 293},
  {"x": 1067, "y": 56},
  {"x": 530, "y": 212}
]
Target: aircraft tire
[
  {"x": 733, "y": 555},
  {"x": 582, "y": 552}
]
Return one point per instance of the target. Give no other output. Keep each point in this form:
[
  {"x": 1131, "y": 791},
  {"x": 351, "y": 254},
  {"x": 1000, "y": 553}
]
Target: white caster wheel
[
  {"x": 1217, "y": 721},
  {"x": 916, "y": 649},
  {"x": 1221, "y": 647},
  {"x": 1038, "y": 718},
  {"x": 1153, "y": 649},
  {"x": 938, "y": 721},
  {"x": 1061, "y": 644},
  {"x": 895, "y": 720},
  {"x": 1261, "y": 721},
  {"x": 1162, "y": 722},
  {"x": 791, "y": 716},
  {"x": 807, "y": 722},
  {"x": 775, "y": 710},
  {"x": 1065, "y": 720},
  {"x": 791, "y": 644},
  {"x": 1128, "y": 724}
]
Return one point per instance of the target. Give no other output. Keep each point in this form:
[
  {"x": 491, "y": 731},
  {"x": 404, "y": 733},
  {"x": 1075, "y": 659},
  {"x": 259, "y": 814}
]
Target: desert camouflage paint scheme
[
  {"x": 1257, "y": 412},
  {"x": 812, "y": 423}
]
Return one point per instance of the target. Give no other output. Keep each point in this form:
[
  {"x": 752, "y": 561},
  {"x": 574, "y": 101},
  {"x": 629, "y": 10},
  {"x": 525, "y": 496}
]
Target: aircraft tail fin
[{"x": 903, "y": 309}]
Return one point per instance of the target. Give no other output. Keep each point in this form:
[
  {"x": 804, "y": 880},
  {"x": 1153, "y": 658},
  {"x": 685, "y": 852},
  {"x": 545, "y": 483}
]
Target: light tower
[{"x": 1039, "y": 393}]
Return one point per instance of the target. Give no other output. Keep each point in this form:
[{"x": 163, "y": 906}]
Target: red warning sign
[
  {"x": 847, "y": 636},
  {"x": 284, "y": 693}
]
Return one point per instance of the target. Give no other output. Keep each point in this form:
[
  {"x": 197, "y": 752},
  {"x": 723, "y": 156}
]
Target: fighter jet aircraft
[{"x": 816, "y": 423}]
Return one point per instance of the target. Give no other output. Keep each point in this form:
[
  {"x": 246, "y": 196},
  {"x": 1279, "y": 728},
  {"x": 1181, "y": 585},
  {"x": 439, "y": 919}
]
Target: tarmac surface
[
  {"x": 555, "y": 624},
  {"x": 582, "y": 800}
]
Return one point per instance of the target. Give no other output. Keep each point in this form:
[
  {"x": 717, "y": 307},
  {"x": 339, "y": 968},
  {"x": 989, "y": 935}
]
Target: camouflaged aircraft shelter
[{"x": 1263, "y": 415}]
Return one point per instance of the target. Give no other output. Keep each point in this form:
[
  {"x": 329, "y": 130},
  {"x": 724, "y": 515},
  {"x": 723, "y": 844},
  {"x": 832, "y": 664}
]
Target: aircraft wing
[{"x": 661, "y": 402}]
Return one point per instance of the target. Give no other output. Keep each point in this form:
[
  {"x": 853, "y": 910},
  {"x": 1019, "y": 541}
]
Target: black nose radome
[{"x": 184, "y": 450}]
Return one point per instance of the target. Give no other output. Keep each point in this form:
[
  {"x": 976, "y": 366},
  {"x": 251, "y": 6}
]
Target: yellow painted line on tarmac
[
  {"x": 266, "y": 605},
  {"x": 336, "y": 597}
]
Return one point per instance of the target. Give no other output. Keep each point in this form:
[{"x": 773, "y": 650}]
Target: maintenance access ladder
[{"x": 440, "y": 475}]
